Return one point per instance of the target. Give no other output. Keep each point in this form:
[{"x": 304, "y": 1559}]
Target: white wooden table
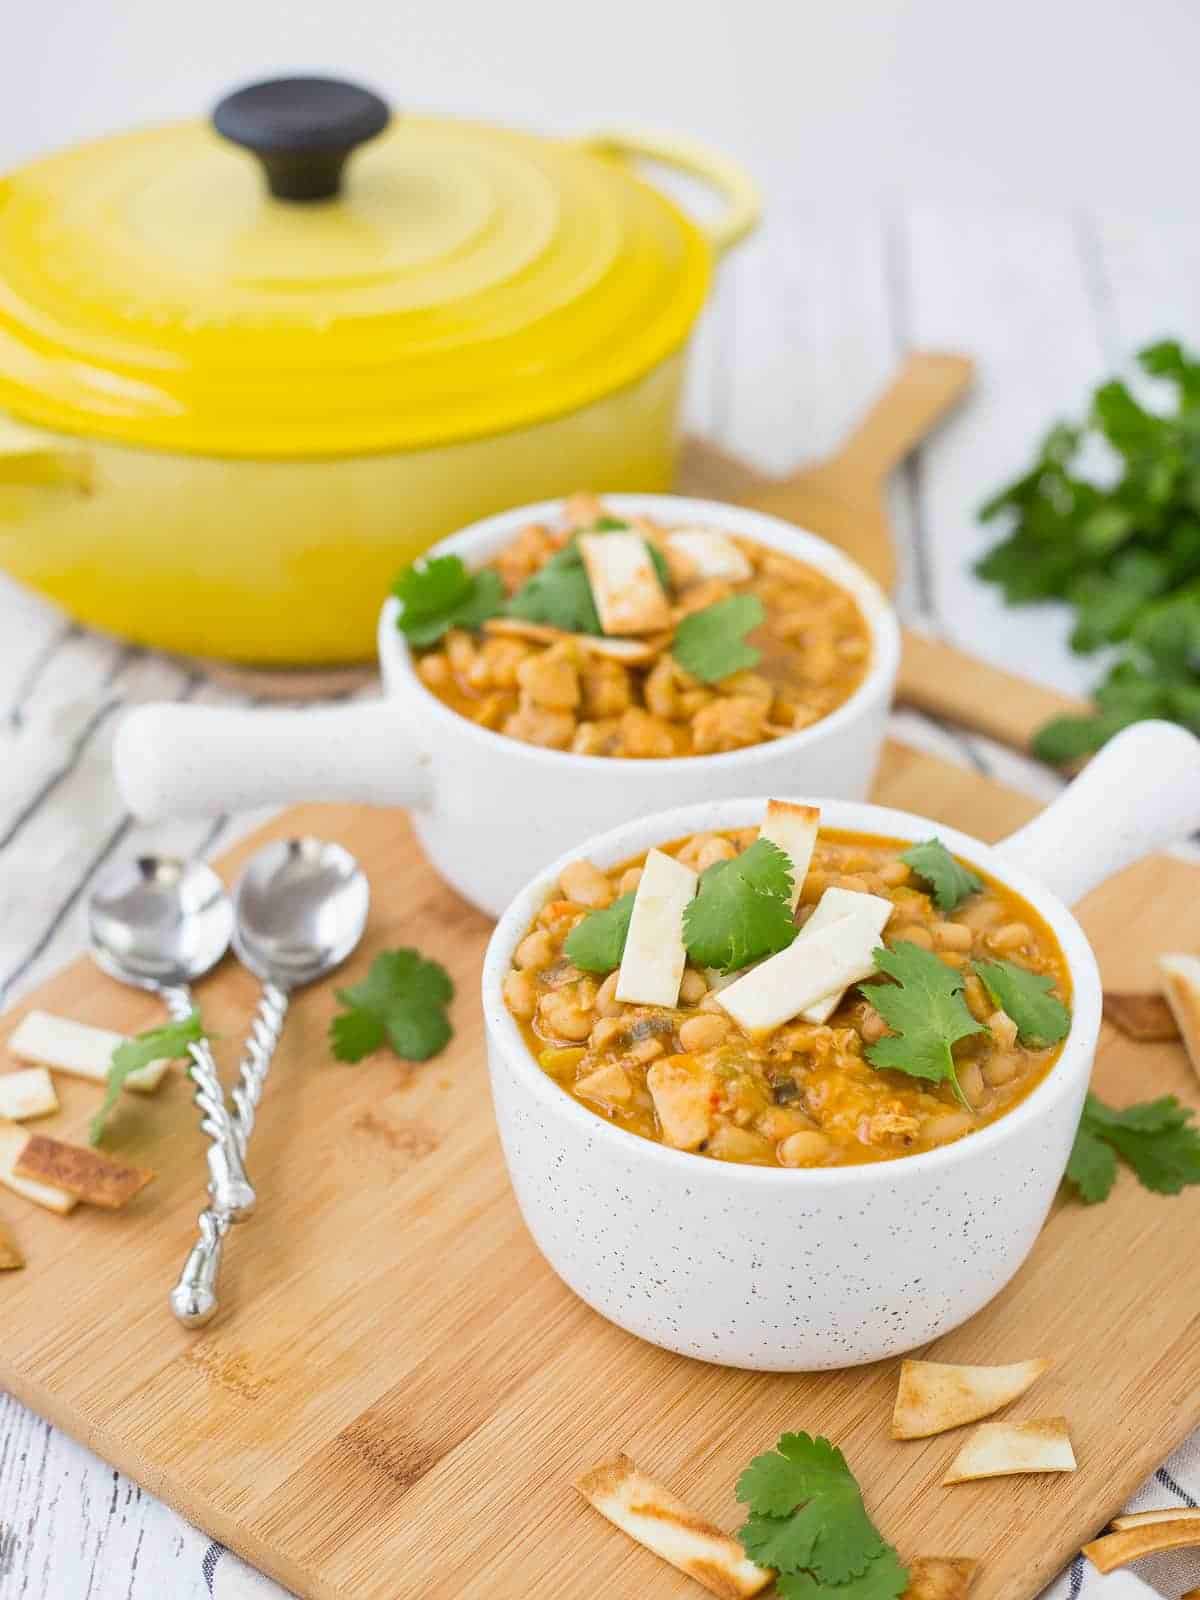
[{"x": 807, "y": 324}]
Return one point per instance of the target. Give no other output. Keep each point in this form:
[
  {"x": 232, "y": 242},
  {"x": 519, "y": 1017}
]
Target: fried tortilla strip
[
  {"x": 13, "y": 1139},
  {"x": 933, "y": 1396},
  {"x": 629, "y": 652},
  {"x": 629, "y": 597},
  {"x": 940, "y": 1578},
  {"x": 28, "y": 1093},
  {"x": 84, "y": 1173},
  {"x": 653, "y": 1517},
  {"x": 77, "y": 1048},
  {"x": 998, "y": 1449},
  {"x": 1144, "y": 1017},
  {"x": 1117, "y": 1549},
  {"x": 10, "y": 1251},
  {"x": 1144, "y": 1519},
  {"x": 1181, "y": 980}
]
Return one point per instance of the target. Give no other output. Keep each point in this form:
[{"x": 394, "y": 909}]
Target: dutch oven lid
[{"x": 308, "y": 276}]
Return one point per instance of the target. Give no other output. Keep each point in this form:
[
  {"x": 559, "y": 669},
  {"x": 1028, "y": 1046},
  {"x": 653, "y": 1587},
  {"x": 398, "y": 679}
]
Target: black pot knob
[{"x": 303, "y": 130}]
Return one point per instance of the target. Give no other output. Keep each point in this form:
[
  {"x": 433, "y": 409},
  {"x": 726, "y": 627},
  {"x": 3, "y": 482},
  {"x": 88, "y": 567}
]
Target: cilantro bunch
[
  {"x": 808, "y": 1521},
  {"x": 1125, "y": 553}
]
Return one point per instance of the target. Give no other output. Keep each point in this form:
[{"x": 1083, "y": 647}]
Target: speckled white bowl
[
  {"x": 489, "y": 810},
  {"x": 801, "y": 1270}
]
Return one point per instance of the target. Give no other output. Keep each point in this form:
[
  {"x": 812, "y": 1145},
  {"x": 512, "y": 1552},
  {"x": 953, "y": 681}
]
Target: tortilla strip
[
  {"x": 28, "y": 1093},
  {"x": 1144, "y": 1017},
  {"x": 13, "y": 1139},
  {"x": 998, "y": 1449},
  {"x": 792, "y": 829},
  {"x": 1116, "y": 1549},
  {"x": 1143, "y": 1519},
  {"x": 940, "y": 1577},
  {"x": 933, "y": 1396},
  {"x": 629, "y": 597},
  {"x": 653, "y": 1517},
  {"x": 77, "y": 1048},
  {"x": 1181, "y": 980},
  {"x": 11, "y": 1258},
  {"x": 629, "y": 652},
  {"x": 85, "y": 1173}
]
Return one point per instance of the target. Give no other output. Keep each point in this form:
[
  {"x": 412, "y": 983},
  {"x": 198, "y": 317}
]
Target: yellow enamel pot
[{"x": 247, "y": 372}]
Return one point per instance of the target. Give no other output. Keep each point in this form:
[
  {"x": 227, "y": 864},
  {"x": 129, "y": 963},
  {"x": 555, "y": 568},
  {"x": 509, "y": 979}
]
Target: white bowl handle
[
  {"x": 1140, "y": 793},
  {"x": 180, "y": 760}
]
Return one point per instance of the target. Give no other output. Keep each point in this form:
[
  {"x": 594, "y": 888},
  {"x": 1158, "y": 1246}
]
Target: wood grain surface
[{"x": 399, "y": 1391}]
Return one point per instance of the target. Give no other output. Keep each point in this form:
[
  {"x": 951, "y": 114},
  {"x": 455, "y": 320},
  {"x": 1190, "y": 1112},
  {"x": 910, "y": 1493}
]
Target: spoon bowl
[
  {"x": 156, "y": 921},
  {"x": 300, "y": 909}
]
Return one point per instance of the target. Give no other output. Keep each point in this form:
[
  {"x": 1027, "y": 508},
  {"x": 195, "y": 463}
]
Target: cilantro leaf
[
  {"x": 926, "y": 1011},
  {"x": 597, "y": 942},
  {"x": 165, "y": 1043},
  {"x": 950, "y": 881},
  {"x": 884, "y": 1579},
  {"x": 711, "y": 644},
  {"x": 559, "y": 594},
  {"x": 1092, "y": 1167},
  {"x": 807, "y": 1512},
  {"x": 1041, "y": 1018},
  {"x": 742, "y": 909},
  {"x": 402, "y": 999},
  {"x": 438, "y": 593},
  {"x": 1155, "y": 1137}
]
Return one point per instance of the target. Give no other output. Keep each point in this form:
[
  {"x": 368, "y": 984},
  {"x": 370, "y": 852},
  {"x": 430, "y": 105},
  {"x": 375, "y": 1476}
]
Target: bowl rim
[
  {"x": 486, "y": 535},
  {"x": 614, "y": 845}
]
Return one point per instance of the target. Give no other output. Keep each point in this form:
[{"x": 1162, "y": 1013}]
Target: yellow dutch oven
[{"x": 241, "y": 387}]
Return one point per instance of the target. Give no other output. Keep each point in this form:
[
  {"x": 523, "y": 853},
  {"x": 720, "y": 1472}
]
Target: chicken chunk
[
  {"x": 645, "y": 735},
  {"x": 685, "y": 1096},
  {"x": 551, "y": 679},
  {"x": 537, "y": 725},
  {"x": 729, "y": 724},
  {"x": 605, "y": 687}
]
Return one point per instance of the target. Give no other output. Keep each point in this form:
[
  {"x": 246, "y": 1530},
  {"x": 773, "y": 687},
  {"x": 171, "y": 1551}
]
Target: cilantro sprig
[
  {"x": 1123, "y": 551},
  {"x": 950, "y": 882},
  {"x": 711, "y": 644},
  {"x": 926, "y": 1011},
  {"x": 1155, "y": 1138},
  {"x": 742, "y": 909},
  {"x": 402, "y": 1000},
  {"x": 438, "y": 593},
  {"x": 808, "y": 1521},
  {"x": 597, "y": 942},
  {"x": 165, "y": 1043},
  {"x": 1040, "y": 1016}
]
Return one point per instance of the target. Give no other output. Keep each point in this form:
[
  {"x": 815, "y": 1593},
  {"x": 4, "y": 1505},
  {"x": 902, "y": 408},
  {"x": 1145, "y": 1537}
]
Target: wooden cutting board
[{"x": 399, "y": 1392}]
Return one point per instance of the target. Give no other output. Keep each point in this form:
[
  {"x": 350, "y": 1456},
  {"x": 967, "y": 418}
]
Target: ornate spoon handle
[
  {"x": 231, "y": 1191},
  {"x": 256, "y": 1060},
  {"x": 194, "y": 1297}
]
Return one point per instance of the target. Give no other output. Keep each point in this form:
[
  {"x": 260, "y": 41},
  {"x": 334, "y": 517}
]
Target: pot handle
[
  {"x": 35, "y": 460},
  {"x": 743, "y": 199},
  {"x": 175, "y": 760},
  {"x": 1141, "y": 793}
]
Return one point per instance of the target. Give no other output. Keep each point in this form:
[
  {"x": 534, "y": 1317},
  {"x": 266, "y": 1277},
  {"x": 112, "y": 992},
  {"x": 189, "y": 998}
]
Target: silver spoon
[
  {"x": 300, "y": 909},
  {"x": 159, "y": 923}
]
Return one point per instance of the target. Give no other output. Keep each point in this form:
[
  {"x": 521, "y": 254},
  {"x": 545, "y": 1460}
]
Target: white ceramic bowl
[
  {"x": 490, "y": 810},
  {"x": 800, "y": 1270}
]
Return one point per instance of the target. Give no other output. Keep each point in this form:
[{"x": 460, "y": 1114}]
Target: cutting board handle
[
  {"x": 926, "y": 387},
  {"x": 1140, "y": 794},
  {"x": 200, "y": 761}
]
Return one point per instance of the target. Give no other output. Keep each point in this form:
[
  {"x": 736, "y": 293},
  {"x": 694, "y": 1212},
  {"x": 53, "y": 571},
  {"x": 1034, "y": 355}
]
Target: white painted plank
[{"x": 1011, "y": 289}]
